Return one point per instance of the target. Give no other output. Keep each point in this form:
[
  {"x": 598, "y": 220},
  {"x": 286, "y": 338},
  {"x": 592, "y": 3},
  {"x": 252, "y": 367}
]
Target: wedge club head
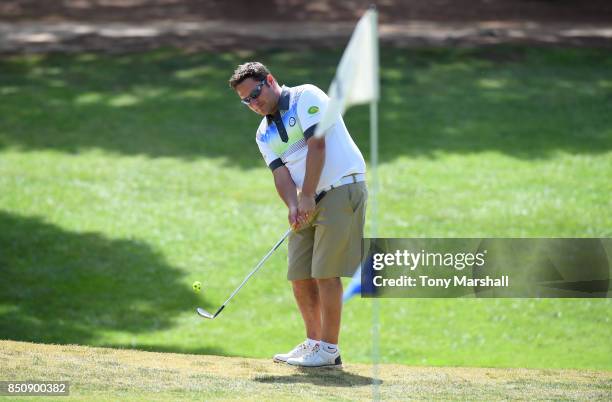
[{"x": 206, "y": 314}]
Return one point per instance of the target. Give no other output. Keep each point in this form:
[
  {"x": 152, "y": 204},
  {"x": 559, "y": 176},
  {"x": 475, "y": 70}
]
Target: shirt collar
[{"x": 283, "y": 102}]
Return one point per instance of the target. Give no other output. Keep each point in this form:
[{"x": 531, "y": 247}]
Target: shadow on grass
[
  {"x": 209, "y": 351},
  {"x": 63, "y": 287},
  {"x": 520, "y": 101},
  {"x": 320, "y": 377}
]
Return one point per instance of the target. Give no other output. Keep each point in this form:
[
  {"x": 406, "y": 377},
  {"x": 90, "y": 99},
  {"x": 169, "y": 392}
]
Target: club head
[{"x": 204, "y": 313}]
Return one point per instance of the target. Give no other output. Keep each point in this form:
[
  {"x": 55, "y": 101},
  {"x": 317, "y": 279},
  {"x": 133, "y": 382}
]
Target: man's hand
[
  {"x": 293, "y": 217},
  {"x": 306, "y": 208}
]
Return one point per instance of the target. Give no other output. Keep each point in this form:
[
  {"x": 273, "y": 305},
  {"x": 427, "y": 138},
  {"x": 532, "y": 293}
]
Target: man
[{"x": 325, "y": 245}]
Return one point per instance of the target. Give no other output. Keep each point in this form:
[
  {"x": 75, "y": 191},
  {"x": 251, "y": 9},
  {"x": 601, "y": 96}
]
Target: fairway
[
  {"x": 125, "y": 178},
  {"x": 112, "y": 374}
]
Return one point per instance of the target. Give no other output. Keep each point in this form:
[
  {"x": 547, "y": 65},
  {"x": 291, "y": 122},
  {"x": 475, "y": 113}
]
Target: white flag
[{"x": 356, "y": 79}]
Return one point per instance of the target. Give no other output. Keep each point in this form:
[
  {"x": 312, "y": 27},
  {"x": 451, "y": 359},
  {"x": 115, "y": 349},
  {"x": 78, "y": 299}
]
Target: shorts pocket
[{"x": 357, "y": 195}]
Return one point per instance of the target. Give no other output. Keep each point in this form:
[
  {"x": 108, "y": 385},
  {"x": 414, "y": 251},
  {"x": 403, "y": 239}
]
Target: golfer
[{"x": 326, "y": 241}]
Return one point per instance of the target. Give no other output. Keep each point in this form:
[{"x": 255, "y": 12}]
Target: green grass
[
  {"x": 124, "y": 178},
  {"x": 110, "y": 374}
]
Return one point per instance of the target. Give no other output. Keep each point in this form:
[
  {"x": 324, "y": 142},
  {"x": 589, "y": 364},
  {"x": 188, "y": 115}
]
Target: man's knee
[
  {"x": 308, "y": 286},
  {"x": 329, "y": 283}
]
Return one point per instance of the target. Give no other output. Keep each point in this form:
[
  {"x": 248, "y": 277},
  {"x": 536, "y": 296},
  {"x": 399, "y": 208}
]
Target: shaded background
[
  {"x": 132, "y": 25},
  {"x": 594, "y": 11}
]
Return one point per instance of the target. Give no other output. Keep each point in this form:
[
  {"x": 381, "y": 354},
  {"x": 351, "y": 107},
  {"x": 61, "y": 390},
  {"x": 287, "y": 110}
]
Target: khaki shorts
[{"x": 331, "y": 245}]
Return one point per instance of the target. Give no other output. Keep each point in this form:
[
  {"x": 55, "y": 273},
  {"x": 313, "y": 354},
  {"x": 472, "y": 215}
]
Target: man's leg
[
  {"x": 306, "y": 294},
  {"x": 305, "y": 288},
  {"x": 330, "y": 293},
  {"x": 326, "y": 353}
]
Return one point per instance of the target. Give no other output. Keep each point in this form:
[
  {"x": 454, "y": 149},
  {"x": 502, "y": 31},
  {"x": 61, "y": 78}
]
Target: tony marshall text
[{"x": 426, "y": 281}]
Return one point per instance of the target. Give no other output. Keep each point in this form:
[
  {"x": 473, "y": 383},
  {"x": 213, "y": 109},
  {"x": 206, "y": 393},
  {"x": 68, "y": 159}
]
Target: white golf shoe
[
  {"x": 298, "y": 351},
  {"x": 317, "y": 357}
]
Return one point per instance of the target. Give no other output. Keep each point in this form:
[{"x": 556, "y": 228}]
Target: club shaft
[{"x": 277, "y": 245}]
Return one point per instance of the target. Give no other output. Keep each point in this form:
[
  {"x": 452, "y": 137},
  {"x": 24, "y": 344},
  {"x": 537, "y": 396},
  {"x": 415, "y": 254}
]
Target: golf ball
[{"x": 197, "y": 286}]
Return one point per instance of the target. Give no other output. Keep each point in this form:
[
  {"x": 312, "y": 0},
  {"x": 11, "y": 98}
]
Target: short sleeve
[
  {"x": 272, "y": 160},
  {"x": 310, "y": 108}
]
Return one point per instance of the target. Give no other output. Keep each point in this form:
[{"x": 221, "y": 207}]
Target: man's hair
[{"x": 252, "y": 69}]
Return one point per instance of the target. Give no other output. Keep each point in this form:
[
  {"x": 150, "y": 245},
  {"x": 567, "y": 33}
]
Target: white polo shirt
[{"x": 282, "y": 137}]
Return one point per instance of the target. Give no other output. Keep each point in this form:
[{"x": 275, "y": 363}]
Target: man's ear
[{"x": 270, "y": 80}]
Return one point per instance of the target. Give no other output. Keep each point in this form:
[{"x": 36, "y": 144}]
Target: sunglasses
[{"x": 254, "y": 93}]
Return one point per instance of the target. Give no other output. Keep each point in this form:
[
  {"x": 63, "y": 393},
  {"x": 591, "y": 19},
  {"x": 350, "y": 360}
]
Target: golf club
[{"x": 203, "y": 313}]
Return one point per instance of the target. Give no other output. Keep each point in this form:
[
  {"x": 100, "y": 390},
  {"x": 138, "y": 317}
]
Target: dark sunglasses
[{"x": 254, "y": 93}]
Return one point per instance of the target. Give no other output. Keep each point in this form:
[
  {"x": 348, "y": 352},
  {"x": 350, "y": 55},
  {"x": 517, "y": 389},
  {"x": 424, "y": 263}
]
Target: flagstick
[
  {"x": 373, "y": 203},
  {"x": 373, "y": 234}
]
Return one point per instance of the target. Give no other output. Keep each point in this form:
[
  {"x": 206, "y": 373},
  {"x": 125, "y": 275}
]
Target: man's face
[{"x": 267, "y": 100}]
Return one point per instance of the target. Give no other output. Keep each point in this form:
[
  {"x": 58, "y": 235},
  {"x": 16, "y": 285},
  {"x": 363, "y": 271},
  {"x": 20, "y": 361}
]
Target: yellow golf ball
[{"x": 197, "y": 286}]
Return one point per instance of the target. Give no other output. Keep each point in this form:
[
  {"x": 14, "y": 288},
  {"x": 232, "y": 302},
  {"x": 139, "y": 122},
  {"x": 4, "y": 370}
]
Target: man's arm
[
  {"x": 287, "y": 191},
  {"x": 315, "y": 159}
]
